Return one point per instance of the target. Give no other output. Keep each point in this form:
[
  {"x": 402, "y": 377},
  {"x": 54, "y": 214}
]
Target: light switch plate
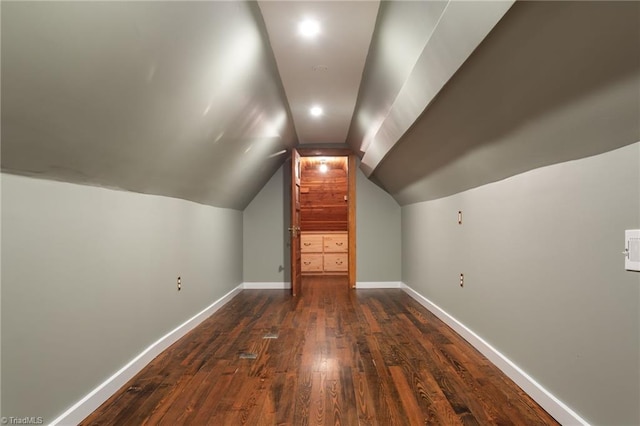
[{"x": 632, "y": 250}]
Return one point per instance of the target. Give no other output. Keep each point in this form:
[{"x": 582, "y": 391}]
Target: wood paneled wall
[{"x": 323, "y": 196}]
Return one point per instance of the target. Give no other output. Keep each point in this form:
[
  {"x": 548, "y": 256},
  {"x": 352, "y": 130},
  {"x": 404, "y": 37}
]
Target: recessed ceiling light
[
  {"x": 316, "y": 111},
  {"x": 309, "y": 28}
]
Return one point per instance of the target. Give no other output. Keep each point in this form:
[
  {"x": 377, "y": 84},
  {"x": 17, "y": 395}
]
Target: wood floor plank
[
  {"x": 363, "y": 400},
  {"x": 284, "y": 397},
  {"x": 209, "y": 407},
  {"x": 318, "y": 403},
  {"x": 408, "y": 401},
  {"x": 335, "y": 356}
]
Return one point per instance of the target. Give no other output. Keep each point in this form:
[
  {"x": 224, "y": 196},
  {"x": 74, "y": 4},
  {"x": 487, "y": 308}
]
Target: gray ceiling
[
  {"x": 324, "y": 70},
  {"x": 186, "y": 99},
  {"x": 553, "y": 81},
  {"x": 181, "y": 99}
]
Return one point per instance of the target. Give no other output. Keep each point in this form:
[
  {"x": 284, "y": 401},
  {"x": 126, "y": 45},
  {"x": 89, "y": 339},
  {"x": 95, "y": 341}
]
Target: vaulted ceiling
[{"x": 204, "y": 100}]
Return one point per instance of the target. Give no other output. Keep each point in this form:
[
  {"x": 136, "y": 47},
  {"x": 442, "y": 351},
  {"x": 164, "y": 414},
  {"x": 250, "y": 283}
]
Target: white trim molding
[
  {"x": 559, "y": 410},
  {"x": 378, "y": 284},
  {"x": 266, "y": 285},
  {"x": 87, "y": 405}
]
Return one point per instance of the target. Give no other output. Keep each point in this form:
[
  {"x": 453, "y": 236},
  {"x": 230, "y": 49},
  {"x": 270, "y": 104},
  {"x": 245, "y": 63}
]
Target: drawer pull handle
[
  {"x": 307, "y": 244},
  {"x": 307, "y": 263},
  {"x": 338, "y": 262},
  {"x": 339, "y": 244}
]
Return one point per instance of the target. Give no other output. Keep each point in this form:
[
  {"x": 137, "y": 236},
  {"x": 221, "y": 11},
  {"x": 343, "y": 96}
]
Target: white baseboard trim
[
  {"x": 87, "y": 405},
  {"x": 378, "y": 284},
  {"x": 266, "y": 285},
  {"x": 561, "y": 412}
]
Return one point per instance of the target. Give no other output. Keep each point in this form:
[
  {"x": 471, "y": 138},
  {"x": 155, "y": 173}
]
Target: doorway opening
[
  {"x": 326, "y": 215},
  {"x": 324, "y": 194}
]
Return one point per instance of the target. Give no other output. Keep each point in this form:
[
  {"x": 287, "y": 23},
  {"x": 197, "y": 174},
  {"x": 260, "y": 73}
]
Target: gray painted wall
[
  {"x": 266, "y": 220},
  {"x": 266, "y": 251},
  {"x": 89, "y": 281},
  {"x": 378, "y": 230},
  {"x": 544, "y": 275}
]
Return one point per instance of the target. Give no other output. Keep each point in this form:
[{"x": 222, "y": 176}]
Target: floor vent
[
  {"x": 270, "y": 336},
  {"x": 248, "y": 355}
]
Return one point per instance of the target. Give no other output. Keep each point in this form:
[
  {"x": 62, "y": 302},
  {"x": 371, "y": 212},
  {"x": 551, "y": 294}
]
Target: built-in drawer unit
[
  {"x": 312, "y": 263},
  {"x": 335, "y": 243},
  {"x": 335, "y": 262},
  {"x": 311, "y": 243},
  {"x": 324, "y": 252}
]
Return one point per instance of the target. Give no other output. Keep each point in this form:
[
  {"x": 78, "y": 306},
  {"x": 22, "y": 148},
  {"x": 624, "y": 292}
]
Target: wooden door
[
  {"x": 294, "y": 228},
  {"x": 351, "y": 197},
  {"x": 351, "y": 173}
]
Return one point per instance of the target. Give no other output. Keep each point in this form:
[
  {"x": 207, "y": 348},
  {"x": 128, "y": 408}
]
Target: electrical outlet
[{"x": 179, "y": 283}]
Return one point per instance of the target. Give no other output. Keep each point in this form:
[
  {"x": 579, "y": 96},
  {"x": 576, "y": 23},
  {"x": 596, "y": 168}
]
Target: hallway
[{"x": 333, "y": 356}]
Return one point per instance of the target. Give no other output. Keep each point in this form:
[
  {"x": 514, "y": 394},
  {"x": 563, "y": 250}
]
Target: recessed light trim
[
  {"x": 309, "y": 28},
  {"x": 316, "y": 111}
]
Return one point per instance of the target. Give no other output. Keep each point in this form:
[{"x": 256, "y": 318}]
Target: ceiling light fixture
[
  {"x": 309, "y": 28},
  {"x": 316, "y": 111}
]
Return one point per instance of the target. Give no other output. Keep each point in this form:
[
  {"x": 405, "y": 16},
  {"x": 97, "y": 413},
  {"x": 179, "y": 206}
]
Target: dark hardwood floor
[{"x": 341, "y": 357}]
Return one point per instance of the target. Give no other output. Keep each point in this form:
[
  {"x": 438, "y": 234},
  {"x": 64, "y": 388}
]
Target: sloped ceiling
[
  {"x": 202, "y": 100},
  {"x": 553, "y": 82},
  {"x": 324, "y": 70},
  {"x": 418, "y": 47},
  {"x": 181, "y": 99}
]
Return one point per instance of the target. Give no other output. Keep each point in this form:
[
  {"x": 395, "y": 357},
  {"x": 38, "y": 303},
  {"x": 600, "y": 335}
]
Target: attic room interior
[{"x": 279, "y": 212}]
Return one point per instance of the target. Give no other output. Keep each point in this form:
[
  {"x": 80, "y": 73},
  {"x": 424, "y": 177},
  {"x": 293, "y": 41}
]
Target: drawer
[
  {"x": 311, "y": 243},
  {"x": 336, "y": 263},
  {"x": 311, "y": 263},
  {"x": 336, "y": 243}
]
